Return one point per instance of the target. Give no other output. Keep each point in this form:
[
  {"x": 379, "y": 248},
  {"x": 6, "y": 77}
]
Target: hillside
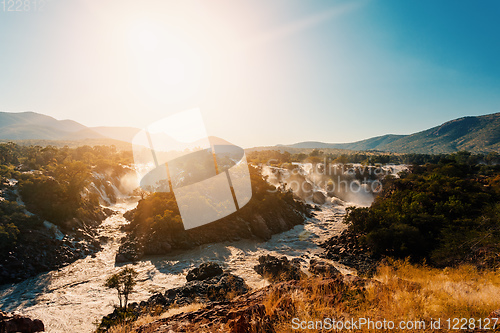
[
  {"x": 118, "y": 133},
  {"x": 31, "y": 128},
  {"x": 368, "y": 144},
  {"x": 475, "y": 134},
  {"x": 32, "y": 125}
]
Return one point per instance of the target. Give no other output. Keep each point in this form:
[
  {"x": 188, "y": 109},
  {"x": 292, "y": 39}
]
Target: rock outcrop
[
  {"x": 38, "y": 252},
  {"x": 318, "y": 198},
  {"x": 205, "y": 271},
  {"x": 243, "y": 314},
  {"x": 207, "y": 283},
  {"x": 347, "y": 250},
  {"x": 322, "y": 268},
  {"x": 10, "y": 323},
  {"x": 278, "y": 269},
  {"x": 250, "y": 312},
  {"x": 252, "y": 224}
]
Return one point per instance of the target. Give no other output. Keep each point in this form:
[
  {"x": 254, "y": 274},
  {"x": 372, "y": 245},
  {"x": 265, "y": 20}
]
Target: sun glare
[{"x": 166, "y": 61}]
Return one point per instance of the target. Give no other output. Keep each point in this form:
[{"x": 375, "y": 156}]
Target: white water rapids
[{"x": 73, "y": 298}]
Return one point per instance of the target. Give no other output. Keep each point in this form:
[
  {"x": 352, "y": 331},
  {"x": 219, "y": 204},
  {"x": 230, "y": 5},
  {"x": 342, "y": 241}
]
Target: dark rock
[
  {"x": 319, "y": 198},
  {"x": 205, "y": 271},
  {"x": 38, "y": 252},
  {"x": 217, "y": 288},
  {"x": 260, "y": 229},
  {"x": 156, "y": 299},
  {"x": 278, "y": 269},
  {"x": 495, "y": 314},
  {"x": 248, "y": 223},
  {"x": 250, "y": 318},
  {"x": 153, "y": 248},
  {"x": 128, "y": 251},
  {"x": 346, "y": 249},
  {"x": 108, "y": 212},
  {"x": 323, "y": 268},
  {"x": 15, "y": 323},
  {"x": 354, "y": 280},
  {"x": 243, "y": 314}
]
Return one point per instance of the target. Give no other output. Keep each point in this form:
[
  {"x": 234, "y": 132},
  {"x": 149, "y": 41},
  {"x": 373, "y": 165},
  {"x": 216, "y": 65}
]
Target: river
[{"x": 73, "y": 298}]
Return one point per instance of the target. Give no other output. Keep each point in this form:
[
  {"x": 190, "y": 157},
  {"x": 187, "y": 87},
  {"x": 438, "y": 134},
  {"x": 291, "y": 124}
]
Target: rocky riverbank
[
  {"x": 43, "y": 246},
  {"x": 39, "y": 252},
  {"x": 291, "y": 304},
  {"x": 228, "y": 304},
  {"x": 205, "y": 284},
  {"x": 257, "y": 224},
  {"x": 11, "y": 323},
  {"x": 347, "y": 250}
]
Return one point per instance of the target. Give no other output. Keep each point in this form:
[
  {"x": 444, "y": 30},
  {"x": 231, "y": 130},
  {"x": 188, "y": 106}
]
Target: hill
[
  {"x": 31, "y": 128},
  {"x": 478, "y": 134},
  {"x": 118, "y": 133},
  {"x": 475, "y": 134},
  {"x": 32, "y": 125}
]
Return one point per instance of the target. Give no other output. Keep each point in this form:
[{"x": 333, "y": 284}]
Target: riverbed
[{"x": 73, "y": 298}]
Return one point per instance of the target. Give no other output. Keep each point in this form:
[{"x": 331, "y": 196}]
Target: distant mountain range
[
  {"x": 475, "y": 134},
  {"x": 36, "y": 126}
]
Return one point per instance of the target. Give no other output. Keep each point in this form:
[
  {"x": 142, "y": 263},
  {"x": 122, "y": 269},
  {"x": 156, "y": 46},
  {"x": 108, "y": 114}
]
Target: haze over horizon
[{"x": 262, "y": 73}]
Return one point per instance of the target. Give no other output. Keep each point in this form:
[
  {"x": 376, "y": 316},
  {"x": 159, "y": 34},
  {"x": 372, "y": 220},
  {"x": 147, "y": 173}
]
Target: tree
[
  {"x": 124, "y": 282},
  {"x": 141, "y": 193}
]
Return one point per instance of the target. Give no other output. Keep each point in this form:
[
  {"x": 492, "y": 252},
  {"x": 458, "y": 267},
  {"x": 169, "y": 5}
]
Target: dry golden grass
[
  {"x": 436, "y": 293},
  {"x": 400, "y": 291},
  {"x": 143, "y": 320},
  {"x": 404, "y": 292}
]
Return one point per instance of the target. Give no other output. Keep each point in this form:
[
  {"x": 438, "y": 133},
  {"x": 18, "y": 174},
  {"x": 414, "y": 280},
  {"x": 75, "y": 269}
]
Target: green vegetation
[
  {"x": 39, "y": 158},
  {"x": 399, "y": 292},
  {"x": 124, "y": 282},
  {"x": 284, "y": 157},
  {"x": 475, "y": 134},
  {"x": 12, "y": 222},
  {"x": 51, "y": 182},
  {"x": 445, "y": 213},
  {"x": 157, "y": 217}
]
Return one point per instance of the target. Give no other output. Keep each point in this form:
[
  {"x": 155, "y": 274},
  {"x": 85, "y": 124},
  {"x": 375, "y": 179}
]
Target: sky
[{"x": 262, "y": 72}]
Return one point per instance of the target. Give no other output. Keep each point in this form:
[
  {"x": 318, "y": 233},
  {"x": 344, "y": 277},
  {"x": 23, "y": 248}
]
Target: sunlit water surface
[{"x": 73, "y": 298}]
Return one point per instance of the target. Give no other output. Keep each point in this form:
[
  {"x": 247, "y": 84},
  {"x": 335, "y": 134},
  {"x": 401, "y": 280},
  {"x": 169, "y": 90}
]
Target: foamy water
[{"x": 73, "y": 298}]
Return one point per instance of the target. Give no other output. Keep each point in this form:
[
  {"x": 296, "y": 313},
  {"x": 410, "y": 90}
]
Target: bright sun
[
  {"x": 167, "y": 63},
  {"x": 172, "y": 71}
]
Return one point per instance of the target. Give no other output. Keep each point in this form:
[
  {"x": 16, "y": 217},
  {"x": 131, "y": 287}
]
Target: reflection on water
[{"x": 72, "y": 298}]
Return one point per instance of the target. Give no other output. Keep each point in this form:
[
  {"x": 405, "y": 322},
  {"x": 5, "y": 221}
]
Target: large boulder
[
  {"x": 318, "y": 198},
  {"x": 157, "y": 247},
  {"x": 218, "y": 288},
  {"x": 278, "y": 269},
  {"x": 15, "y": 323},
  {"x": 205, "y": 271},
  {"x": 129, "y": 251},
  {"x": 245, "y": 313},
  {"x": 320, "y": 267},
  {"x": 208, "y": 282}
]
